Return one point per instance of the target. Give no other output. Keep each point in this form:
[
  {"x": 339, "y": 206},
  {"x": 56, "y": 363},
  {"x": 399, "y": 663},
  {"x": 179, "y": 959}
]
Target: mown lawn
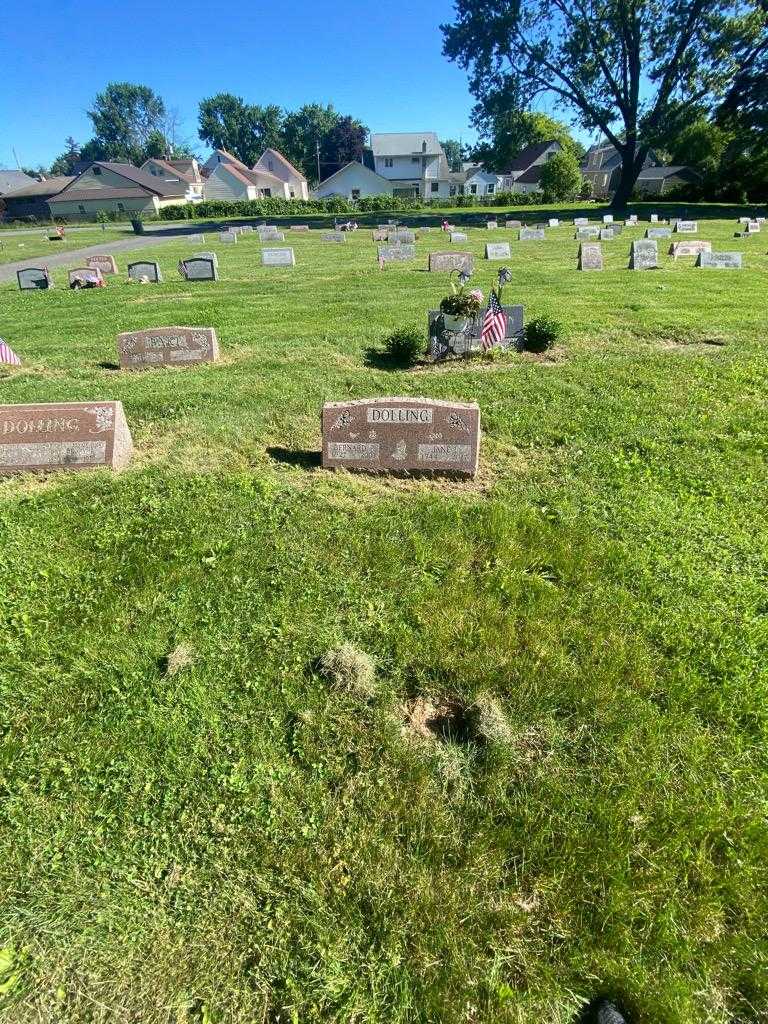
[
  {"x": 15, "y": 247},
  {"x": 241, "y": 841}
]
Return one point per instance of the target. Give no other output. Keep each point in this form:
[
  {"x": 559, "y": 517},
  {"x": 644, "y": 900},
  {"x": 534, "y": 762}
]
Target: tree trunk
[{"x": 629, "y": 173}]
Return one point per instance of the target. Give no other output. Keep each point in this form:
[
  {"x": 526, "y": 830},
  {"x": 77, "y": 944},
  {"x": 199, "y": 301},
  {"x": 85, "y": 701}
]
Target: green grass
[
  {"x": 16, "y": 247},
  {"x": 241, "y": 841}
]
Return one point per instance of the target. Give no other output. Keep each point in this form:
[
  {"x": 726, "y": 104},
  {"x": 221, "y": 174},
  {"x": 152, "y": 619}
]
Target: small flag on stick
[
  {"x": 7, "y": 355},
  {"x": 494, "y": 323}
]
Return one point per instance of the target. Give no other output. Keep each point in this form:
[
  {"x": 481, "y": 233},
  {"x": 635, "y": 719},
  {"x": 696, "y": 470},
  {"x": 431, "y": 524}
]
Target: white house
[
  {"x": 479, "y": 182},
  {"x": 273, "y": 162},
  {"x": 413, "y": 162},
  {"x": 353, "y": 181},
  {"x": 174, "y": 171}
]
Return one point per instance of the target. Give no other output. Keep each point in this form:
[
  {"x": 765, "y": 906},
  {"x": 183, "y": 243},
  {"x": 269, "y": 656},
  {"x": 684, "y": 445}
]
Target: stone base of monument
[
  {"x": 402, "y": 435},
  {"x": 445, "y": 342},
  {"x": 42, "y": 438}
]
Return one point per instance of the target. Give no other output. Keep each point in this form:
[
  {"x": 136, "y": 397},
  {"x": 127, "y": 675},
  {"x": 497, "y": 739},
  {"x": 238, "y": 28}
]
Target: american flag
[
  {"x": 494, "y": 323},
  {"x": 7, "y": 355}
]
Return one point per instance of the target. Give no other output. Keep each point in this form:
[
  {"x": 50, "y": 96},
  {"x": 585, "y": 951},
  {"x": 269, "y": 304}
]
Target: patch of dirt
[
  {"x": 441, "y": 720},
  {"x": 552, "y": 357}
]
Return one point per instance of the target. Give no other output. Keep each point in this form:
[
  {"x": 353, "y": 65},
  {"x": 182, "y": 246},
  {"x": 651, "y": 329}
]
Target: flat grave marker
[
  {"x": 590, "y": 256},
  {"x": 644, "y": 255},
  {"x": 106, "y": 264},
  {"x": 458, "y": 236},
  {"x": 145, "y": 269},
  {"x": 402, "y": 435},
  {"x": 719, "y": 260},
  {"x": 167, "y": 346},
  {"x": 299, "y": 227},
  {"x": 334, "y": 236},
  {"x": 497, "y": 251},
  {"x": 396, "y": 253},
  {"x": 448, "y": 261},
  {"x": 63, "y": 435},
  {"x": 34, "y": 279},
  {"x": 445, "y": 344},
  {"x": 658, "y": 232},
  {"x": 278, "y": 258},
  {"x": 531, "y": 235}
]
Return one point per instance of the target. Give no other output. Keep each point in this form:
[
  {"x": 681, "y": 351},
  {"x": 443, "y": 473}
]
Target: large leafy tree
[
  {"x": 126, "y": 119},
  {"x": 243, "y": 129},
  {"x": 561, "y": 178},
  {"x": 454, "y": 153},
  {"x": 344, "y": 142},
  {"x": 505, "y": 130},
  {"x": 65, "y": 163},
  {"x": 618, "y": 65},
  {"x": 305, "y": 134}
]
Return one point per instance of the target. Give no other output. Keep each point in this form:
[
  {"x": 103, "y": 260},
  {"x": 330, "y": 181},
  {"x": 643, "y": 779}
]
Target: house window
[
  {"x": 267, "y": 193},
  {"x": 415, "y": 159},
  {"x": 452, "y": 190},
  {"x": 489, "y": 189},
  {"x": 355, "y": 193},
  {"x": 292, "y": 193},
  {"x": 81, "y": 208},
  {"x": 121, "y": 208},
  {"x": 473, "y": 190},
  {"x": 434, "y": 186},
  {"x": 388, "y": 161}
]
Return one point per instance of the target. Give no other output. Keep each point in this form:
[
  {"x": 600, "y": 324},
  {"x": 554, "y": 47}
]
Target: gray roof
[
  {"x": 134, "y": 178},
  {"x": 405, "y": 143},
  {"x": 47, "y": 187},
  {"x": 10, "y": 181},
  {"x": 666, "y": 172},
  {"x": 524, "y": 159}
]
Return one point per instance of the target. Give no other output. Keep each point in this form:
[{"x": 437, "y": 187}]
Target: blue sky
[{"x": 380, "y": 62}]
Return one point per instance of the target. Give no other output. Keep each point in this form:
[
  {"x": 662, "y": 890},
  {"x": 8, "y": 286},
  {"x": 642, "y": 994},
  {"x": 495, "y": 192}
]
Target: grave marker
[
  {"x": 278, "y": 258},
  {"x": 83, "y": 276},
  {"x": 497, "y": 251},
  {"x": 458, "y": 236},
  {"x": 606, "y": 234},
  {"x": 145, "y": 268},
  {"x": 396, "y": 253},
  {"x": 644, "y": 255},
  {"x": 686, "y": 227},
  {"x": 580, "y": 222},
  {"x": 401, "y": 235},
  {"x": 590, "y": 256},
  {"x": 402, "y": 435},
  {"x": 299, "y": 227},
  {"x": 678, "y": 249},
  {"x": 444, "y": 344},
  {"x": 658, "y": 232},
  {"x": 607, "y": 218},
  {"x": 106, "y": 264},
  {"x": 228, "y": 236},
  {"x": 448, "y": 261},
  {"x": 63, "y": 435},
  {"x": 33, "y": 279},
  {"x": 587, "y": 232},
  {"x": 167, "y": 346},
  {"x": 199, "y": 268},
  {"x": 654, "y": 218},
  {"x": 334, "y": 236},
  {"x": 513, "y": 223},
  {"x": 380, "y": 235},
  {"x": 553, "y": 222},
  {"x": 531, "y": 235},
  {"x": 719, "y": 260},
  {"x": 491, "y": 225}
]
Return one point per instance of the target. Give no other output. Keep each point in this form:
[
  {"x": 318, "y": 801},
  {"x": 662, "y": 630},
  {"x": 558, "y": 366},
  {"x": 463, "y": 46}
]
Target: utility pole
[
  {"x": 317, "y": 153},
  {"x": 15, "y": 157}
]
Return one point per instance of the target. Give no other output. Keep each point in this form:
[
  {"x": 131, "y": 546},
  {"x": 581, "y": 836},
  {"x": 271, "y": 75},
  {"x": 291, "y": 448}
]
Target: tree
[
  {"x": 620, "y": 65},
  {"x": 65, "y": 163},
  {"x": 243, "y": 129},
  {"x": 505, "y": 131},
  {"x": 454, "y": 153},
  {"x": 560, "y": 177},
  {"x": 344, "y": 142},
  {"x": 125, "y": 118},
  {"x": 304, "y": 130}
]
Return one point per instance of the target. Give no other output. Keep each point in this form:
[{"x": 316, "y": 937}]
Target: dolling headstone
[
  {"x": 492, "y": 225},
  {"x": 719, "y": 260},
  {"x": 448, "y": 261},
  {"x": 644, "y": 255},
  {"x": 606, "y": 234},
  {"x": 167, "y": 346},
  {"x": 590, "y": 256},
  {"x": 63, "y": 435},
  {"x": 686, "y": 227},
  {"x": 228, "y": 236},
  {"x": 145, "y": 269},
  {"x": 458, "y": 236},
  {"x": 531, "y": 235},
  {"x": 446, "y": 344},
  {"x": 278, "y": 258},
  {"x": 658, "y": 232},
  {"x": 584, "y": 233},
  {"x": 513, "y": 223},
  {"x": 334, "y": 236},
  {"x": 33, "y": 279},
  {"x": 402, "y": 435},
  {"x": 396, "y": 253},
  {"x": 691, "y": 248},
  {"x": 106, "y": 264},
  {"x": 199, "y": 268},
  {"x": 553, "y": 222},
  {"x": 497, "y": 251}
]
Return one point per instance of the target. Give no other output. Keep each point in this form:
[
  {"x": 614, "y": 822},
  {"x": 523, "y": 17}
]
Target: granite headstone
[{"x": 167, "y": 346}]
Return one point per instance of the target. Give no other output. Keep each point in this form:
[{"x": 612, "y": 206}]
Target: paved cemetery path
[{"x": 76, "y": 256}]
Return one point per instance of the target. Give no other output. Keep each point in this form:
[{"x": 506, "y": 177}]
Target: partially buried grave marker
[
  {"x": 67, "y": 435},
  {"x": 497, "y": 251},
  {"x": 444, "y": 344},
  {"x": 644, "y": 255},
  {"x": 85, "y": 277},
  {"x": 458, "y": 236},
  {"x": 531, "y": 235},
  {"x": 590, "y": 256},
  {"x": 719, "y": 260},
  {"x": 167, "y": 346},
  {"x": 448, "y": 261},
  {"x": 145, "y": 269},
  {"x": 106, "y": 264},
  {"x": 34, "y": 278},
  {"x": 402, "y": 435},
  {"x": 689, "y": 248},
  {"x": 278, "y": 258}
]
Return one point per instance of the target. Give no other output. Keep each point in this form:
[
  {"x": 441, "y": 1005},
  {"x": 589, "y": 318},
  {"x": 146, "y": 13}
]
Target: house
[
  {"x": 31, "y": 202},
  {"x": 273, "y": 162},
  {"x": 173, "y": 171},
  {"x": 524, "y": 173},
  {"x": 10, "y": 181},
  {"x": 115, "y": 188},
  {"x": 413, "y": 162},
  {"x": 658, "y": 180},
  {"x": 477, "y": 181},
  {"x": 230, "y": 179},
  {"x": 602, "y": 167},
  {"x": 353, "y": 181}
]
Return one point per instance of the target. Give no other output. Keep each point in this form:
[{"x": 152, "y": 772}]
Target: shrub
[
  {"x": 405, "y": 345},
  {"x": 350, "y": 669},
  {"x": 561, "y": 177},
  {"x": 542, "y": 333}
]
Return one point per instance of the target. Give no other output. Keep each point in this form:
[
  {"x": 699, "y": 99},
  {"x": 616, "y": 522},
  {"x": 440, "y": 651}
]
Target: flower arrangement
[{"x": 462, "y": 303}]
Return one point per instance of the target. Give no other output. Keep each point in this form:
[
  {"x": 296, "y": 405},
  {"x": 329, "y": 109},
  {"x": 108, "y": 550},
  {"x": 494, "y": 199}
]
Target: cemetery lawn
[
  {"x": 231, "y": 838},
  {"x": 17, "y": 247}
]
